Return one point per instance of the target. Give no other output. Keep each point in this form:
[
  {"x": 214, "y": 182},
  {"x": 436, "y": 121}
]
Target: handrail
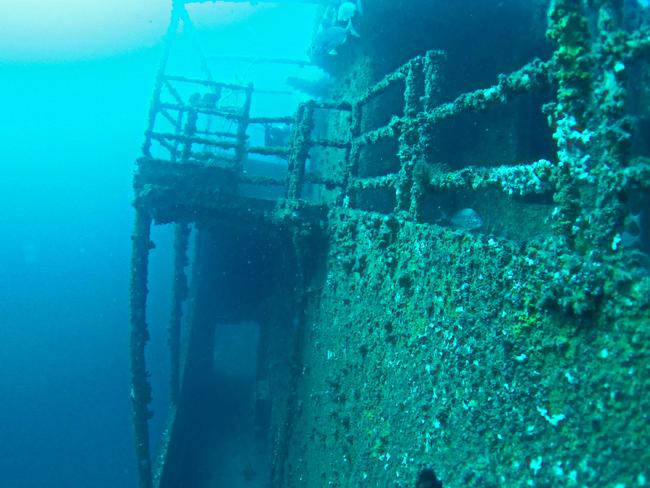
[
  {"x": 531, "y": 76},
  {"x": 520, "y": 179},
  {"x": 201, "y": 110},
  {"x": 383, "y": 84},
  {"x": 198, "y": 81},
  {"x": 193, "y": 140},
  {"x": 385, "y": 181}
]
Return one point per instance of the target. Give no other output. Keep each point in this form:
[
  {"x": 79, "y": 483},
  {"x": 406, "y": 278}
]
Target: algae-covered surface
[
  {"x": 430, "y": 347},
  {"x": 505, "y": 345}
]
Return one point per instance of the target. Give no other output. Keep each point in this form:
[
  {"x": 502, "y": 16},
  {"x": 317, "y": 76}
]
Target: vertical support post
[
  {"x": 300, "y": 150},
  {"x": 612, "y": 127},
  {"x": 352, "y": 155},
  {"x": 177, "y": 131},
  {"x": 189, "y": 132},
  {"x": 242, "y": 126},
  {"x": 179, "y": 295},
  {"x": 432, "y": 69},
  {"x": 140, "y": 388},
  {"x": 408, "y": 139},
  {"x": 592, "y": 135},
  {"x": 432, "y": 75},
  {"x": 569, "y": 28},
  {"x": 592, "y": 131}
]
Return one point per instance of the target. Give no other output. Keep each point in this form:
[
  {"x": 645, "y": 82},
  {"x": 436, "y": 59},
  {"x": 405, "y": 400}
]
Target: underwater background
[
  {"x": 355, "y": 306},
  {"x": 70, "y": 131}
]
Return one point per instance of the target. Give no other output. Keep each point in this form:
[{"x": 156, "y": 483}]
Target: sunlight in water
[{"x": 58, "y": 30}]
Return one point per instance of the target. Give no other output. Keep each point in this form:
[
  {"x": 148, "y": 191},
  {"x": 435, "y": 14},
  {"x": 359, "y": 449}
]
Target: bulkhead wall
[
  {"x": 480, "y": 354},
  {"x": 433, "y": 348}
]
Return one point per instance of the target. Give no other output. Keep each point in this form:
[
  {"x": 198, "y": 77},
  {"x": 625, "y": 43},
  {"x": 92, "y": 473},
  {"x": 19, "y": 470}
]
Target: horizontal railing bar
[
  {"x": 228, "y": 135},
  {"x": 520, "y": 179},
  {"x": 201, "y": 110},
  {"x": 385, "y": 181},
  {"x": 383, "y": 84},
  {"x": 202, "y": 157},
  {"x": 345, "y": 106},
  {"x": 196, "y": 81},
  {"x": 320, "y": 180},
  {"x": 269, "y": 151},
  {"x": 193, "y": 140},
  {"x": 390, "y": 130},
  {"x": 533, "y": 75}
]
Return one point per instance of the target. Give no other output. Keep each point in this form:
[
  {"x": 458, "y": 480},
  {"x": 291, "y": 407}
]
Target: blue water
[
  {"x": 72, "y": 123},
  {"x": 71, "y": 132}
]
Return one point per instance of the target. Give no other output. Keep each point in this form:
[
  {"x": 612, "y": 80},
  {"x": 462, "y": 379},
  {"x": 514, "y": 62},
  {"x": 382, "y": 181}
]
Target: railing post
[
  {"x": 300, "y": 149},
  {"x": 352, "y": 155},
  {"x": 242, "y": 126},
  {"x": 408, "y": 137},
  {"x": 614, "y": 127},
  {"x": 178, "y": 127},
  {"x": 189, "y": 132},
  {"x": 569, "y": 28},
  {"x": 590, "y": 126},
  {"x": 592, "y": 134},
  {"x": 431, "y": 69}
]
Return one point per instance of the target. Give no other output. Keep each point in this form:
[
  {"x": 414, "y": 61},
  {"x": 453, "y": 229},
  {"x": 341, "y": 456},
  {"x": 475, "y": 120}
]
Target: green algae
[{"x": 449, "y": 354}]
